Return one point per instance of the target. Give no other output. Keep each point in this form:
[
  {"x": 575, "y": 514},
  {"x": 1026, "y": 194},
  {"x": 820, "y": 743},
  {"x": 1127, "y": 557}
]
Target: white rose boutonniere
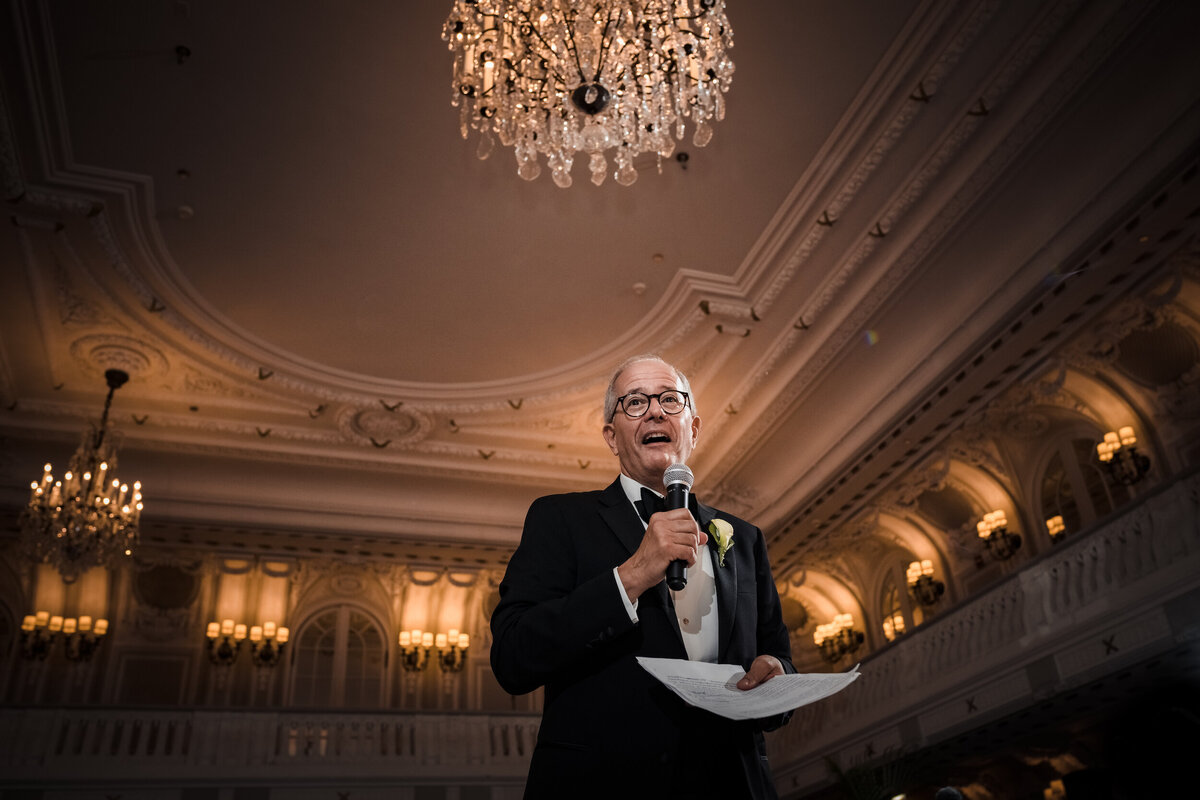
[{"x": 722, "y": 532}]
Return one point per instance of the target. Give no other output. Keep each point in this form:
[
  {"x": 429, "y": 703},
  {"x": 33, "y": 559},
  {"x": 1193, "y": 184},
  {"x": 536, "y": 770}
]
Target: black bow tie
[{"x": 649, "y": 504}]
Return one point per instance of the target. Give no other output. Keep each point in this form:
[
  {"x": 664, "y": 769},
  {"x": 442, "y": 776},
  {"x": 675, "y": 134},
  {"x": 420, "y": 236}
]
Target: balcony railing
[
  {"x": 96, "y": 746},
  {"x": 1093, "y": 605}
]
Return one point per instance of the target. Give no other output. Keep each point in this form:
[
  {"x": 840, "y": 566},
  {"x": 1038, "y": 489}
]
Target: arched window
[
  {"x": 1074, "y": 486},
  {"x": 891, "y": 610},
  {"x": 340, "y": 661}
]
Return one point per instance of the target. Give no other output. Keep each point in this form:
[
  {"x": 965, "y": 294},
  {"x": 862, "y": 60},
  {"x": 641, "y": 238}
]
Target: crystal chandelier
[
  {"x": 556, "y": 77},
  {"x": 89, "y": 518}
]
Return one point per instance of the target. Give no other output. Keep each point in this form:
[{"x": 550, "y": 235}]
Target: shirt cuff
[{"x": 630, "y": 607}]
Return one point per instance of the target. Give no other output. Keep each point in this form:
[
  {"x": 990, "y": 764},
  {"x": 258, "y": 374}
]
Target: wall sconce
[
  {"x": 838, "y": 638},
  {"x": 1056, "y": 529},
  {"x": 81, "y": 637},
  {"x": 414, "y": 649},
  {"x": 416, "y": 645},
  {"x": 893, "y": 626},
  {"x": 922, "y": 585},
  {"x": 993, "y": 530},
  {"x": 452, "y": 650},
  {"x": 266, "y": 643},
  {"x": 224, "y": 641},
  {"x": 1118, "y": 452}
]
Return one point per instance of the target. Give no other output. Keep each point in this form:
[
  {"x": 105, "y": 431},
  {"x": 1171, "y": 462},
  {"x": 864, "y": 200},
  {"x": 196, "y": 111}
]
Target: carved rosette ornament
[
  {"x": 97, "y": 353},
  {"x": 383, "y": 427}
]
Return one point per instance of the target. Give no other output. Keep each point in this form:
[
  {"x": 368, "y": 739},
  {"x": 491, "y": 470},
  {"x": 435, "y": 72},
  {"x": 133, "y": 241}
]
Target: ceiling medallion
[
  {"x": 378, "y": 426},
  {"x": 100, "y": 352},
  {"x": 556, "y": 78}
]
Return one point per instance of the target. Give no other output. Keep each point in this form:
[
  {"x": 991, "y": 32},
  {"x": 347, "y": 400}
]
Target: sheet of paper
[{"x": 714, "y": 687}]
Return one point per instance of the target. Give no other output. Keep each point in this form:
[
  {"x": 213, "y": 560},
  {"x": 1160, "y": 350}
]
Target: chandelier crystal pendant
[
  {"x": 556, "y": 78},
  {"x": 88, "y": 518}
]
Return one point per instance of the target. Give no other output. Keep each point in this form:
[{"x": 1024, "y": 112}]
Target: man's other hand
[{"x": 762, "y": 670}]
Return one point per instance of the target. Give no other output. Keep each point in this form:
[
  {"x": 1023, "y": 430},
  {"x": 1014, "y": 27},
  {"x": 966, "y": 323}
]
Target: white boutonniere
[{"x": 722, "y": 532}]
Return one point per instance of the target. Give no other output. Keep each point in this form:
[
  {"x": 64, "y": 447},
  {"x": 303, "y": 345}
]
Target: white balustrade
[{"x": 95, "y": 744}]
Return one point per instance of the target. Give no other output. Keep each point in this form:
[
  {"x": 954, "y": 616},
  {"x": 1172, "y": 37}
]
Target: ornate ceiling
[{"x": 339, "y": 322}]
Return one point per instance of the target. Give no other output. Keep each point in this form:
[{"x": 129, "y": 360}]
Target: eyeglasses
[{"x": 636, "y": 404}]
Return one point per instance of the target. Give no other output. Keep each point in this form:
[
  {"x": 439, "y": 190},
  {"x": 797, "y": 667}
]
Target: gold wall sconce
[
  {"x": 838, "y": 638},
  {"x": 893, "y": 626},
  {"x": 1056, "y": 528},
  {"x": 993, "y": 530},
  {"x": 417, "y": 645},
  {"x": 81, "y": 636},
  {"x": 1119, "y": 454},
  {"x": 225, "y": 639},
  {"x": 924, "y": 588}
]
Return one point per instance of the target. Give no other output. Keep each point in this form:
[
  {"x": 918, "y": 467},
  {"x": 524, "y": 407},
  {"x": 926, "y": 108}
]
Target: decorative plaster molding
[
  {"x": 95, "y": 353},
  {"x": 61, "y": 201},
  {"x": 834, "y": 209},
  {"x": 738, "y": 499},
  {"x": 984, "y": 176},
  {"x": 74, "y": 310},
  {"x": 202, "y": 382},
  {"x": 160, "y": 625},
  {"x": 374, "y": 426}
]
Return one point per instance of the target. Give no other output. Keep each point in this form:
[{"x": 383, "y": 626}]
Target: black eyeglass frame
[{"x": 687, "y": 402}]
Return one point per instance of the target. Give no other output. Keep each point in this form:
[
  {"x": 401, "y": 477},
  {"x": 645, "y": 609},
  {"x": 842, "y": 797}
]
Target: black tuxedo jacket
[{"x": 608, "y": 727}]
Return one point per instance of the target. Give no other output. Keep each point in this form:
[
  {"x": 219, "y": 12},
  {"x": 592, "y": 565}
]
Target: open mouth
[{"x": 656, "y": 437}]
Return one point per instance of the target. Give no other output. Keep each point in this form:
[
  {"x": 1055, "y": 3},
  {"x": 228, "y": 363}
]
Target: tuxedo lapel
[
  {"x": 619, "y": 516},
  {"x": 726, "y": 580}
]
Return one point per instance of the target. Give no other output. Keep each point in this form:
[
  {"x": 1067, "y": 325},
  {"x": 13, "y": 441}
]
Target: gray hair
[{"x": 610, "y": 395}]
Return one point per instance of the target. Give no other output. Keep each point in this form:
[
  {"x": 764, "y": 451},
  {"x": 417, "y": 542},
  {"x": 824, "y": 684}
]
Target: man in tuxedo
[{"x": 584, "y": 595}]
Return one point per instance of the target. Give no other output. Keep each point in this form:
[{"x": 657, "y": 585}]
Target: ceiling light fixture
[
  {"x": 89, "y": 518},
  {"x": 556, "y": 78}
]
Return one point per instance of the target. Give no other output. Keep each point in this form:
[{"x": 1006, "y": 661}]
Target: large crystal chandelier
[
  {"x": 557, "y": 77},
  {"x": 88, "y": 518}
]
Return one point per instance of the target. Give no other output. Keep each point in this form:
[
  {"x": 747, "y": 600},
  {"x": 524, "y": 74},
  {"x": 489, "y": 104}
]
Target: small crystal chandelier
[
  {"x": 89, "y": 518},
  {"x": 557, "y": 77}
]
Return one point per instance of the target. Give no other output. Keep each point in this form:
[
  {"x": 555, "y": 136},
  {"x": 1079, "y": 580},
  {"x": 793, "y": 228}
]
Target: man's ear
[
  {"x": 610, "y": 438},
  {"x": 695, "y": 430}
]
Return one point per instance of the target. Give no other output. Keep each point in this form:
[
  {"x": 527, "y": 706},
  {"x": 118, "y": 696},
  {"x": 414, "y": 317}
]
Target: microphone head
[{"x": 676, "y": 474}]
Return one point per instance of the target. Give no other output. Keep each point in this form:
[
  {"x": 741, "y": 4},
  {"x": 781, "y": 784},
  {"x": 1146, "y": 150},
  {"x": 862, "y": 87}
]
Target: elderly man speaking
[{"x": 584, "y": 595}]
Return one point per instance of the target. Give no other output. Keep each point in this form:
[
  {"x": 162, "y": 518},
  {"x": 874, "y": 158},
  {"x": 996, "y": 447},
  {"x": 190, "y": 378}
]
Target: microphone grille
[{"x": 678, "y": 473}]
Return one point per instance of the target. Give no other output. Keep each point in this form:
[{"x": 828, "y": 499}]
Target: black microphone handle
[{"x": 677, "y": 497}]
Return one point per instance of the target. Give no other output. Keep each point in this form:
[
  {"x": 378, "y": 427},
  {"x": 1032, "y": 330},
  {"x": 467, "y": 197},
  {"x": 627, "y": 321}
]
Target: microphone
[{"x": 678, "y": 481}]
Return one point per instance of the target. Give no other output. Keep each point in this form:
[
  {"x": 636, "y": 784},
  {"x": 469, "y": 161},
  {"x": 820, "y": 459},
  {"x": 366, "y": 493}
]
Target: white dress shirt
[{"x": 695, "y": 604}]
